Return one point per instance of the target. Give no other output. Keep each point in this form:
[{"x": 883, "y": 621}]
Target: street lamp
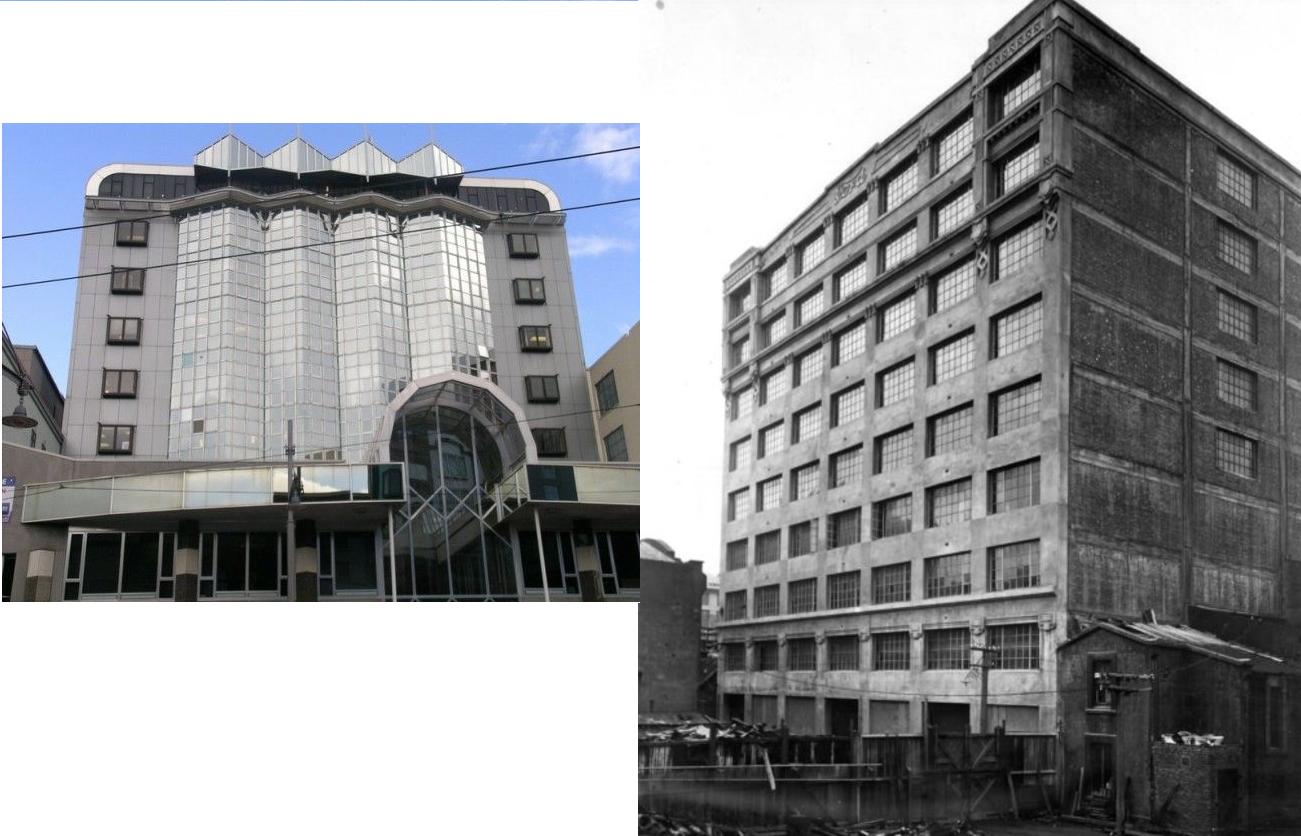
[{"x": 20, "y": 418}]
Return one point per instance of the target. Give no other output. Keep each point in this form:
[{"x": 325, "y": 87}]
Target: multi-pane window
[
  {"x": 809, "y": 253},
  {"x": 530, "y": 291},
  {"x": 1237, "y": 317},
  {"x": 1235, "y": 180},
  {"x": 806, "y": 424},
  {"x": 738, "y": 504},
  {"x": 804, "y": 481},
  {"x": 123, "y": 330},
  {"x": 808, "y": 307},
  {"x": 771, "y": 440},
  {"x": 1014, "y": 566},
  {"x": 842, "y": 653},
  {"x": 777, "y": 277},
  {"x": 535, "y": 338},
  {"x": 739, "y": 301},
  {"x": 948, "y": 650},
  {"x": 738, "y": 454},
  {"x": 733, "y": 656},
  {"x": 801, "y": 654},
  {"x": 845, "y": 467},
  {"x": 127, "y": 280},
  {"x": 773, "y": 385},
  {"x": 742, "y": 404},
  {"x": 1017, "y": 249},
  {"x": 522, "y": 245},
  {"x": 802, "y": 596},
  {"x": 803, "y": 538},
  {"x": 1015, "y": 486},
  {"x": 1018, "y": 646},
  {"x": 849, "y": 343},
  {"x": 849, "y": 280},
  {"x": 772, "y": 330},
  {"x": 808, "y": 366},
  {"x": 739, "y": 351},
  {"x": 948, "y": 431},
  {"x": 948, "y": 574},
  {"x": 542, "y": 388},
  {"x": 948, "y": 503},
  {"x": 120, "y": 383},
  {"x": 767, "y": 600},
  {"x": 895, "y": 317},
  {"x": 892, "y": 516},
  {"x": 847, "y": 405},
  {"x": 1016, "y": 88},
  {"x": 842, "y": 590},
  {"x": 891, "y": 651},
  {"x": 1235, "y": 454},
  {"x": 765, "y": 659},
  {"x": 954, "y": 144},
  {"x": 891, "y": 584},
  {"x": 769, "y": 494},
  {"x": 1014, "y": 407},
  {"x": 607, "y": 393},
  {"x": 1236, "y": 248},
  {"x": 767, "y": 547},
  {"x": 132, "y": 233},
  {"x": 851, "y": 220},
  {"x": 1018, "y": 166},
  {"x": 953, "y": 357},
  {"x": 953, "y": 212},
  {"x": 845, "y": 528},
  {"x": 898, "y": 248},
  {"x": 737, "y": 554},
  {"x": 893, "y": 450},
  {"x": 1016, "y": 328},
  {"x": 1235, "y": 385},
  {"x": 898, "y": 185},
  {"x": 734, "y": 606},
  {"x": 894, "y": 384},
  {"x": 550, "y": 441},
  {"x": 952, "y": 286},
  {"x": 116, "y": 438}
]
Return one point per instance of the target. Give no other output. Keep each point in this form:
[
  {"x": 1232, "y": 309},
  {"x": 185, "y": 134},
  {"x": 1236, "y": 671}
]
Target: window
[
  {"x": 550, "y": 441},
  {"x": 739, "y": 351},
  {"x": 116, "y": 438},
  {"x": 1237, "y": 317},
  {"x": 842, "y": 590},
  {"x": 530, "y": 291},
  {"x": 1014, "y": 407},
  {"x": 1018, "y": 646},
  {"x": 775, "y": 279},
  {"x": 1100, "y": 667},
  {"x": 1015, "y": 486},
  {"x": 893, "y": 450},
  {"x": 1016, "y": 328},
  {"x": 1016, "y": 88},
  {"x": 891, "y": 651},
  {"x": 769, "y": 494},
  {"x": 894, "y": 384},
  {"x": 739, "y": 301},
  {"x": 1235, "y": 454},
  {"x": 127, "y": 280},
  {"x": 850, "y": 280},
  {"x": 898, "y": 248},
  {"x": 738, "y": 455},
  {"x": 1235, "y": 180},
  {"x": 803, "y": 538},
  {"x": 891, "y": 584},
  {"x": 542, "y": 388},
  {"x": 607, "y": 393},
  {"x": 948, "y": 574},
  {"x": 773, "y": 385},
  {"x": 844, "y": 528},
  {"x": 842, "y": 653},
  {"x": 767, "y": 600},
  {"x": 522, "y": 245},
  {"x": 616, "y": 446},
  {"x": 1235, "y": 385},
  {"x": 892, "y": 516},
  {"x": 123, "y": 330},
  {"x": 809, "y": 253},
  {"x": 806, "y": 424},
  {"x": 734, "y": 606},
  {"x": 1018, "y": 166},
  {"x": 535, "y": 338},
  {"x": 953, "y": 212},
  {"x": 847, "y": 405},
  {"x": 898, "y": 185},
  {"x": 895, "y": 317},
  {"x": 801, "y": 655},
  {"x": 734, "y": 656},
  {"x": 808, "y": 366},
  {"x": 851, "y": 220},
  {"x": 948, "y": 503},
  {"x": 767, "y": 547},
  {"x": 738, "y": 504},
  {"x": 804, "y": 482},
  {"x": 953, "y": 357},
  {"x": 737, "y": 554},
  {"x": 773, "y": 330},
  {"x": 809, "y": 307},
  {"x": 120, "y": 383},
  {"x": 1014, "y": 566},
  {"x": 765, "y": 659},
  {"x": 132, "y": 233},
  {"x": 742, "y": 404},
  {"x": 953, "y": 144},
  {"x": 1276, "y": 709},
  {"x": 948, "y": 431},
  {"x": 1236, "y": 248},
  {"x": 10, "y": 564},
  {"x": 848, "y": 344},
  {"x": 802, "y": 596},
  {"x": 952, "y": 286},
  {"x": 771, "y": 440},
  {"x": 1015, "y": 250},
  {"x": 138, "y": 564},
  {"x": 845, "y": 467},
  {"x": 948, "y": 650}
]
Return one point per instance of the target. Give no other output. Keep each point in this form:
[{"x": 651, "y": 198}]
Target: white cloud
[
  {"x": 618, "y": 168},
  {"x": 584, "y": 246}
]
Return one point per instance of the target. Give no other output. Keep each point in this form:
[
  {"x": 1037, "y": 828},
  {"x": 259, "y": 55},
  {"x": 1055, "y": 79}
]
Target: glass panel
[
  {"x": 354, "y": 560},
  {"x": 627, "y": 559},
  {"x": 74, "y": 556},
  {"x": 263, "y": 563},
  {"x": 70, "y": 591},
  {"x": 205, "y": 589},
  {"x": 100, "y": 574},
  {"x": 165, "y": 589},
  {"x": 169, "y": 552},
  {"x": 230, "y": 562},
  {"x": 146, "y": 493},
  {"x": 140, "y": 563}
]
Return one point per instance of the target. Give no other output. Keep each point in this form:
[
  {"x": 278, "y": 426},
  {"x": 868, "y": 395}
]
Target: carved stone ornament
[
  {"x": 820, "y": 638},
  {"x": 1049, "y": 202},
  {"x": 749, "y": 643},
  {"x": 979, "y": 232},
  {"x": 916, "y": 633},
  {"x": 923, "y": 142},
  {"x": 982, "y": 261},
  {"x": 870, "y": 312},
  {"x": 978, "y": 629},
  {"x": 1047, "y": 624},
  {"x": 919, "y": 283},
  {"x": 781, "y": 639},
  {"x": 864, "y": 635}
]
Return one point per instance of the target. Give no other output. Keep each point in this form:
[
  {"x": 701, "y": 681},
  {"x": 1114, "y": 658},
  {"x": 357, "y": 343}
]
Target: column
[
  {"x": 589, "y": 566},
  {"x": 306, "y": 564},
  {"x": 40, "y": 575},
  {"x": 185, "y": 564}
]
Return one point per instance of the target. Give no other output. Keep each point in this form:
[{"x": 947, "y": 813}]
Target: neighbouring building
[
  {"x": 615, "y": 381},
  {"x": 419, "y": 329},
  {"x": 42, "y": 400},
  {"x": 668, "y": 630},
  {"x": 1033, "y": 359}
]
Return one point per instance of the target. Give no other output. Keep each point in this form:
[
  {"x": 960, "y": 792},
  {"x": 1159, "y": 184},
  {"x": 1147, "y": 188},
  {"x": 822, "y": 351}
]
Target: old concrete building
[
  {"x": 615, "y": 381},
  {"x": 668, "y": 630},
  {"x": 1033, "y": 359}
]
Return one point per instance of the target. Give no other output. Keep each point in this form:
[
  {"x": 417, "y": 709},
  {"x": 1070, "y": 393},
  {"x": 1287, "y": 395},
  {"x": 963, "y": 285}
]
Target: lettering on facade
[
  {"x": 1013, "y": 46},
  {"x": 855, "y": 181}
]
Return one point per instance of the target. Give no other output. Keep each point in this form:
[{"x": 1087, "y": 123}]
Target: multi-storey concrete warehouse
[
  {"x": 418, "y": 327},
  {"x": 1035, "y": 358}
]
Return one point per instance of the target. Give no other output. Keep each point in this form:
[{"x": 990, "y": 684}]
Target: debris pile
[
  {"x": 1185, "y": 738},
  {"x": 656, "y": 824},
  {"x": 735, "y": 730}
]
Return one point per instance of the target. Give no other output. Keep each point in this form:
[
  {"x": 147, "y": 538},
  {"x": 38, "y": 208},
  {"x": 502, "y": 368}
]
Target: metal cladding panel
[
  {"x": 429, "y": 161},
  {"x": 229, "y": 152},
  {"x": 366, "y": 159},
  {"x": 297, "y": 155}
]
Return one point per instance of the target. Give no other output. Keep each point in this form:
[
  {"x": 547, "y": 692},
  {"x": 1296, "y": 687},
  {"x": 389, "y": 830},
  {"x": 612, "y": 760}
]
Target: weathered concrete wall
[{"x": 668, "y": 635}]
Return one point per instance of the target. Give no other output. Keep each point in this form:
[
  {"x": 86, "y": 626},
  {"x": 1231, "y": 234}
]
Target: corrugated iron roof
[{"x": 1198, "y": 641}]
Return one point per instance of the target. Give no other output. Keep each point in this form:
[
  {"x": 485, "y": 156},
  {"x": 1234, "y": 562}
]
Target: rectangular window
[
  {"x": 803, "y": 538},
  {"x": 530, "y": 291},
  {"x": 894, "y": 384},
  {"x": 847, "y": 405},
  {"x": 952, "y": 286},
  {"x": 767, "y": 600},
  {"x": 777, "y": 277},
  {"x": 550, "y": 441},
  {"x": 774, "y": 385},
  {"x": 948, "y": 574},
  {"x": 1276, "y": 711},
  {"x": 806, "y": 424},
  {"x": 742, "y": 404},
  {"x": 607, "y": 393},
  {"x": 765, "y": 659},
  {"x": 773, "y": 330},
  {"x": 804, "y": 482},
  {"x": 1016, "y": 328},
  {"x": 892, "y": 584},
  {"x": 1015, "y": 486},
  {"x": 1235, "y": 385},
  {"x": 132, "y": 233},
  {"x": 850, "y": 280},
  {"x": 734, "y": 606},
  {"x": 123, "y": 330},
  {"x": 616, "y": 446},
  {"x": 848, "y": 344},
  {"x": 1237, "y": 317},
  {"x": 772, "y": 439},
  {"x": 895, "y": 317},
  {"x": 542, "y": 388},
  {"x": 1014, "y": 407},
  {"x": 1235, "y": 180},
  {"x": 844, "y": 528},
  {"x": 10, "y": 564},
  {"x": 898, "y": 248},
  {"x": 733, "y": 656},
  {"x": 948, "y": 650},
  {"x": 809, "y": 307},
  {"x": 738, "y": 454},
  {"x": 738, "y": 504},
  {"x": 801, "y": 655},
  {"x": 851, "y": 221},
  {"x": 892, "y": 516},
  {"x": 808, "y": 366},
  {"x": 891, "y": 651},
  {"x": 739, "y": 301},
  {"x": 1235, "y": 454},
  {"x": 953, "y": 144},
  {"x": 1016, "y": 88},
  {"x": 120, "y": 383},
  {"x": 739, "y": 350},
  {"x": 769, "y": 494},
  {"x": 522, "y": 245},
  {"x": 535, "y": 338},
  {"x": 1018, "y": 646},
  {"x": 737, "y": 554},
  {"x": 842, "y": 590},
  {"x": 845, "y": 468},
  {"x": 1017, "y": 249},
  {"x": 842, "y": 653},
  {"x": 1099, "y": 669},
  {"x": 1018, "y": 166},
  {"x": 949, "y": 431},
  {"x": 127, "y": 280},
  {"x": 953, "y": 212},
  {"x": 1236, "y": 249},
  {"x": 953, "y": 357},
  {"x": 767, "y": 547},
  {"x": 1014, "y": 566},
  {"x": 116, "y": 438},
  {"x": 809, "y": 253},
  {"x": 948, "y": 503},
  {"x": 893, "y": 450},
  {"x": 802, "y": 596},
  {"x": 898, "y": 185}
]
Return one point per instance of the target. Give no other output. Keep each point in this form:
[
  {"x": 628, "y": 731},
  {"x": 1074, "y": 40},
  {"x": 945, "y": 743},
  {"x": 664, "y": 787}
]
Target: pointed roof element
[
  {"x": 229, "y": 152},
  {"x": 429, "y": 161},
  {"x": 299, "y": 156},
  {"x": 365, "y": 158}
]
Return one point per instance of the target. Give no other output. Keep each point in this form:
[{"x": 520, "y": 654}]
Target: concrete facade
[
  {"x": 668, "y": 631},
  {"x": 615, "y": 384},
  {"x": 44, "y": 403}
]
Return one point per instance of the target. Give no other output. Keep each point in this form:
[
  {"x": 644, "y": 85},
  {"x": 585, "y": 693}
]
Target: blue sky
[{"x": 45, "y": 168}]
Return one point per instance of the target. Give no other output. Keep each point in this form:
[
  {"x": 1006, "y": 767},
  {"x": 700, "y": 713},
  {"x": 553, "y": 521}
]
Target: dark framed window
[
  {"x": 765, "y": 657},
  {"x": 1014, "y": 566},
  {"x": 1236, "y": 317},
  {"x": 734, "y": 605},
  {"x": 891, "y": 651},
  {"x": 953, "y": 285},
  {"x": 897, "y": 249},
  {"x": 953, "y": 144},
  {"x": 899, "y": 184},
  {"x": 132, "y": 233},
  {"x": 616, "y": 446},
  {"x": 737, "y": 554},
  {"x": 801, "y": 655},
  {"x": 768, "y": 547},
  {"x": 953, "y": 357},
  {"x": 550, "y": 441},
  {"x": 802, "y": 538},
  {"x": 1016, "y": 250},
  {"x": 542, "y": 388},
  {"x": 948, "y": 650},
  {"x": 892, "y": 516},
  {"x": 851, "y": 220},
  {"x": 842, "y": 653},
  {"x": 948, "y": 574},
  {"x": 530, "y": 291},
  {"x": 119, "y": 383},
  {"x": 767, "y": 600},
  {"x": 522, "y": 245},
  {"x": 849, "y": 343},
  {"x": 844, "y": 528},
  {"x": 810, "y": 252},
  {"x": 849, "y": 280},
  {"x": 734, "y": 656},
  {"x": 895, "y": 383},
  {"x": 117, "y": 439},
  {"x": 842, "y": 590},
  {"x": 127, "y": 280},
  {"x": 1017, "y": 166},
  {"x": 10, "y": 562},
  {"x": 1016, "y": 327},
  {"x": 952, "y": 212},
  {"x": 1100, "y": 667},
  {"x": 535, "y": 337},
  {"x": 949, "y": 430},
  {"x": 1018, "y": 646},
  {"x": 1236, "y": 248},
  {"x": 891, "y": 584},
  {"x": 1235, "y": 385},
  {"x": 1015, "y": 486},
  {"x": 895, "y": 317},
  {"x": 123, "y": 330},
  {"x": 607, "y": 393},
  {"x": 739, "y": 454},
  {"x": 809, "y": 306},
  {"x": 802, "y": 596},
  {"x": 892, "y": 450},
  {"x": 1235, "y": 454},
  {"x": 1014, "y": 407},
  {"x": 1017, "y": 87},
  {"x": 948, "y": 503},
  {"x": 845, "y": 467},
  {"x": 806, "y": 424},
  {"x": 1235, "y": 180}
]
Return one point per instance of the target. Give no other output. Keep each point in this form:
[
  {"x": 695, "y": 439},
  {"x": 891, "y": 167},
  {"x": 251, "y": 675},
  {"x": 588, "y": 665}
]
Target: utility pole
[
  {"x": 984, "y": 664},
  {"x": 291, "y": 556}
]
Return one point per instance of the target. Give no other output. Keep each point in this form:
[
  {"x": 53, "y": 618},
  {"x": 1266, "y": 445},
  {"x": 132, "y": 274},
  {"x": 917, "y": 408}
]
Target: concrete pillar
[
  {"x": 40, "y": 575},
  {"x": 587, "y": 562},
  {"x": 306, "y": 564},
  {"x": 185, "y": 564}
]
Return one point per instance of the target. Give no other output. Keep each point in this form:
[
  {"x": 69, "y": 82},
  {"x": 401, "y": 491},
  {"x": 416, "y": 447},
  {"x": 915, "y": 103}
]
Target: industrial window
[
  {"x": 801, "y": 655},
  {"x": 845, "y": 467},
  {"x": 802, "y": 596},
  {"x": 771, "y": 440},
  {"x": 132, "y": 233},
  {"x": 116, "y": 438},
  {"x": 120, "y": 383},
  {"x": 848, "y": 344},
  {"x": 898, "y": 248},
  {"x": 767, "y": 601},
  {"x": 948, "y": 650},
  {"x": 773, "y": 330},
  {"x": 803, "y": 538},
  {"x": 842, "y": 590},
  {"x": 738, "y": 504},
  {"x": 894, "y": 384},
  {"x": 1016, "y": 88},
  {"x": 767, "y": 547},
  {"x": 809, "y": 307},
  {"x": 1017, "y": 249},
  {"x": 952, "y": 286},
  {"x": 948, "y": 503},
  {"x": 127, "y": 280},
  {"x": 10, "y": 564},
  {"x": 607, "y": 393},
  {"x": 895, "y": 317},
  {"x": 850, "y": 280},
  {"x": 522, "y": 245},
  {"x": 953, "y": 144},
  {"x": 809, "y": 253},
  {"x": 1014, "y": 407},
  {"x": 804, "y": 481},
  {"x": 773, "y": 385},
  {"x": 1237, "y": 317},
  {"x": 734, "y": 656},
  {"x": 737, "y": 554},
  {"x": 131, "y": 563},
  {"x": 953, "y": 357},
  {"x": 891, "y": 584},
  {"x": 954, "y": 211},
  {"x": 734, "y": 606},
  {"x": 842, "y": 653},
  {"x": 1018, "y": 646},
  {"x": 892, "y": 516},
  {"x": 1014, "y": 566},
  {"x": 1235, "y": 180},
  {"x": 1236, "y": 249},
  {"x": 898, "y": 184},
  {"x": 616, "y": 446},
  {"x": 1015, "y": 486},
  {"x": 808, "y": 366},
  {"x": 775, "y": 279},
  {"x": 739, "y": 301},
  {"x": 847, "y": 405},
  {"x": 542, "y": 388},
  {"x": 123, "y": 330},
  {"x": 948, "y": 574},
  {"x": 806, "y": 424},
  {"x": 948, "y": 431},
  {"x": 550, "y": 441},
  {"x": 844, "y": 528},
  {"x": 739, "y": 351},
  {"x": 1235, "y": 454},
  {"x": 768, "y": 494},
  {"x": 738, "y": 455},
  {"x": 1016, "y": 328},
  {"x": 893, "y": 450},
  {"x": 1100, "y": 667},
  {"x": 891, "y": 651},
  {"x": 1235, "y": 385},
  {"x": 1276, "y": 710},
  {"x": 1018, "y": 166},
  {"x": 851, "y": 220},
  {"x": 765, "y": 659},
  {"x": 530, "y": 291},
  {"x": 742, "y": 403},
  {"x": 535, "y": 338}
]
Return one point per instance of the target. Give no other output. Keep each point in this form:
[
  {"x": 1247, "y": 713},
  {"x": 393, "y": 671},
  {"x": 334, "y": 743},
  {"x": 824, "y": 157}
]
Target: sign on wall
[{"x": 8, "y": 496}]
